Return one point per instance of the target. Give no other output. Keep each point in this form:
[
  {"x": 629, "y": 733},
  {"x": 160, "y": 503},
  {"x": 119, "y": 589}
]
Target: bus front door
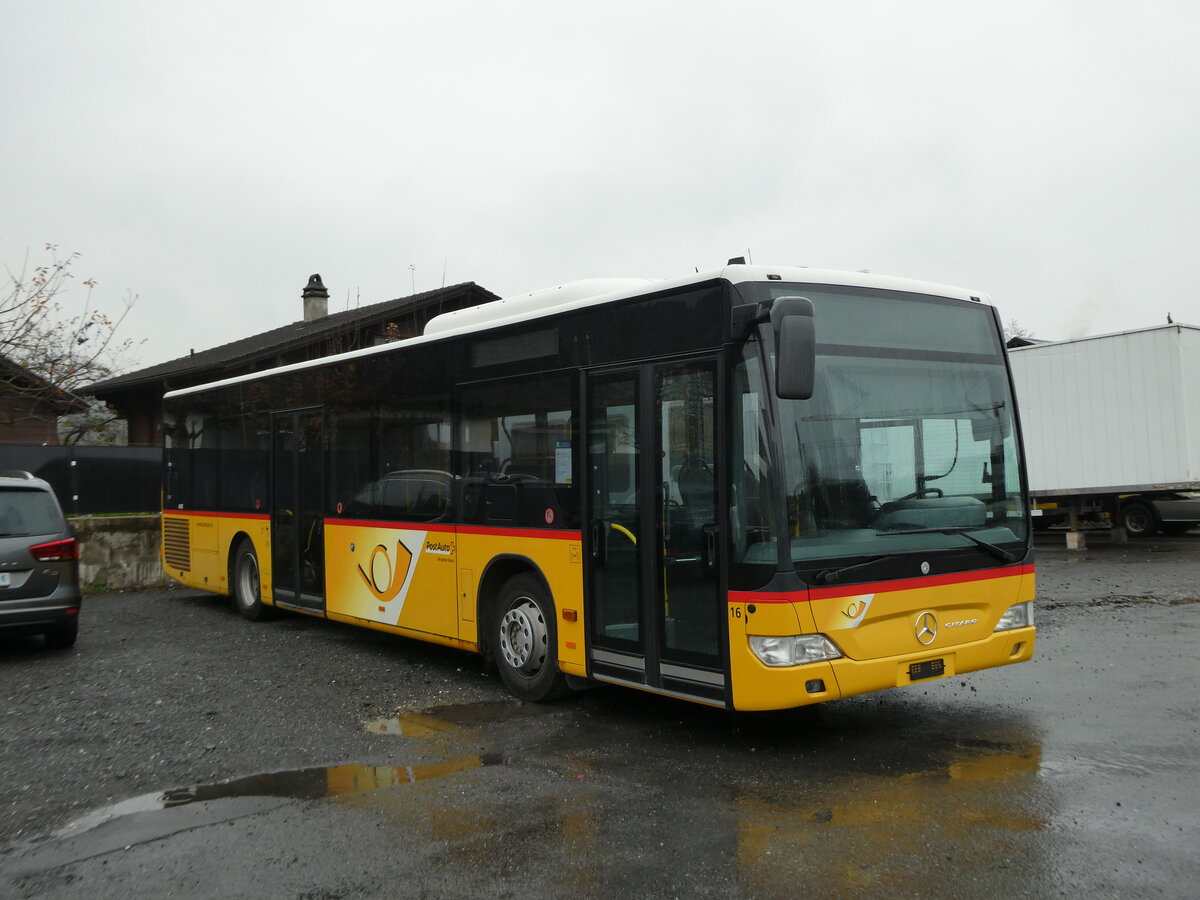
[
  {"x": 297, "y": 538},
  {"x": 654, "y": 607}
]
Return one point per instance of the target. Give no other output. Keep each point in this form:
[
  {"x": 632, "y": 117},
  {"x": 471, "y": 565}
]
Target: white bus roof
[{"x": 596, "y": 291}]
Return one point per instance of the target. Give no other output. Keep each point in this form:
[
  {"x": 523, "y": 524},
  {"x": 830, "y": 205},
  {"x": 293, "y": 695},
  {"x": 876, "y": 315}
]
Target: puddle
[
  {"x": 337, "y": 781},
  {"x": 410, "y": 725},
  {"x": 299, "y": 784},
  {"x": 444, "y": 720}
]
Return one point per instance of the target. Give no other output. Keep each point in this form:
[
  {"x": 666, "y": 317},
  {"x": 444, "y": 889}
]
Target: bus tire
[
  {"x": 526, "y": 640},
  {"x": 247, "y": 584}
]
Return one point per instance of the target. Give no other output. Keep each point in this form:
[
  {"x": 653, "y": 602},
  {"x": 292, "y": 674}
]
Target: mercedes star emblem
[{"x": 926, "y": 628}]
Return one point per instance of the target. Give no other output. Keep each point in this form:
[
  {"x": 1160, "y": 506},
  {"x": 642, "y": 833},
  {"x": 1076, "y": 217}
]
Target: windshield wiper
[
  {"x": 991, "y": 549},
  {"x": 829, "y": 576}
]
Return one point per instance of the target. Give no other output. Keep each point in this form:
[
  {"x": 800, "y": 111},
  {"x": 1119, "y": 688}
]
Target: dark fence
[{"x": 93, "y": 480}]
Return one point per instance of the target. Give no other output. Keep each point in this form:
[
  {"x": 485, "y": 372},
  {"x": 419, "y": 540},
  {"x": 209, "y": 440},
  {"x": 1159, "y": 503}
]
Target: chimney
[{"x": 316, "y": 299}]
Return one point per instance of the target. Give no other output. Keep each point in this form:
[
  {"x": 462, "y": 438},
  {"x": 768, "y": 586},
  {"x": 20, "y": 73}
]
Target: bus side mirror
[{"x": 794, "y": 324}]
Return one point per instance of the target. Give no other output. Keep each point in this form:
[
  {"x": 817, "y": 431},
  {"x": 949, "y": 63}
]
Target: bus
[{"x": 753, "y": 488}]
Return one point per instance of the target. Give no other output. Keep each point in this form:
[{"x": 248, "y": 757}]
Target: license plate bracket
[{"x": 929, "y": 668}]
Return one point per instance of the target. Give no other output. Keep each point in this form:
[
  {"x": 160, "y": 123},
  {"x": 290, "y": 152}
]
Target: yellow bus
[{"x": 755, "y": 488}]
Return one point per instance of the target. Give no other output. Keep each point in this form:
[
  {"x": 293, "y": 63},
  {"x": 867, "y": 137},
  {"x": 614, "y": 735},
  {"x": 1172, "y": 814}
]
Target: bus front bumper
[{"x": 761, "y": 687}]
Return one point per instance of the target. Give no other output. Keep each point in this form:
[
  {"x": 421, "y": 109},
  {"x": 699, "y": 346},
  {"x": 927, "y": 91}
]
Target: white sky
[{"x": 210, "y": 157}]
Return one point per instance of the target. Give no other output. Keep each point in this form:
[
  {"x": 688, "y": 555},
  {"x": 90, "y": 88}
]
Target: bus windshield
[{"x": 908, "y": 443}]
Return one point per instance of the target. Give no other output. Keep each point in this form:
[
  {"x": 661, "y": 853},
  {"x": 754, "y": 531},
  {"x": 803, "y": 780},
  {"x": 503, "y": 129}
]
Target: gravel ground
[{"x": 171, "y": 688}]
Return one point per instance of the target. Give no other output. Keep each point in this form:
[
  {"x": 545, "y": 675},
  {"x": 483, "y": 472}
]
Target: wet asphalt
[{"x": 180, "y": 751}]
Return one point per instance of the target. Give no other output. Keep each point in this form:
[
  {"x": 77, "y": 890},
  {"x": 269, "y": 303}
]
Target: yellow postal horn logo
[
  {"x": 384, "y": 580},
  {"x": 856, "y": 609}
]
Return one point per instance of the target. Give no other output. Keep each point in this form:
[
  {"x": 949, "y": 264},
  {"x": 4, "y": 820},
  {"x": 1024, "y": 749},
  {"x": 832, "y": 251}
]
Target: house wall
[{"x": 18, "y": 426}]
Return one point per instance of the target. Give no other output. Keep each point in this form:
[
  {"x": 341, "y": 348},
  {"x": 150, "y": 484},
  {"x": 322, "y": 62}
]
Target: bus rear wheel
[
  {"x": 247, "y": 586},
  {"x": 525, "y": 640}
]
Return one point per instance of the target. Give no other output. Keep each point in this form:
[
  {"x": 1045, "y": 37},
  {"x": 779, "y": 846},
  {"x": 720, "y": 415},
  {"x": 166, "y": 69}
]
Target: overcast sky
[{"x": 209, "y": 157}]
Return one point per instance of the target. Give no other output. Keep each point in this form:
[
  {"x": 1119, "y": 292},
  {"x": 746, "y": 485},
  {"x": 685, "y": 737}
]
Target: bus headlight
[
  {"x": 1019, "y": 615},
  {"x": 794, "y": 649}
]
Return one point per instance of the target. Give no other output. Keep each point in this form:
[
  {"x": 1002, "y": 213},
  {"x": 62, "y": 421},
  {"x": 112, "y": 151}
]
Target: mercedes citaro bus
[{"x": 755, "y": 488}]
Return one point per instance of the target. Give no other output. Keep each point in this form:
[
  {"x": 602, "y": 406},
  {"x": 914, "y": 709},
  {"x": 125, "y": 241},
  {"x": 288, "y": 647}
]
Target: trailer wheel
[{"x": 1139, "y": 519}]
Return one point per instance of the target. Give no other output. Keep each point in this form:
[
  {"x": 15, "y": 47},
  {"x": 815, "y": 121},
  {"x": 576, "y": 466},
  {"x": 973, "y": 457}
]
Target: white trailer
[{"x": 1112, "y": 426}]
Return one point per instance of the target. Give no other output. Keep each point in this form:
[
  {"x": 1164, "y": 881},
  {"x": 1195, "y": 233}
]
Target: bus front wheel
[
  {"x": 247, "y": 586},
  {"x": 526, "y": 640}
]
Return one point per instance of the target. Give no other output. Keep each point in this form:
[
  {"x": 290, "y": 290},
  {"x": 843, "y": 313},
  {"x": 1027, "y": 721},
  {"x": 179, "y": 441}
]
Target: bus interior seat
[{"x": 500, "y": 503}]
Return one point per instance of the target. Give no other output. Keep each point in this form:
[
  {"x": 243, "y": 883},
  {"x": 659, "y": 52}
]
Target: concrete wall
[{"x": 119, "y": 552}]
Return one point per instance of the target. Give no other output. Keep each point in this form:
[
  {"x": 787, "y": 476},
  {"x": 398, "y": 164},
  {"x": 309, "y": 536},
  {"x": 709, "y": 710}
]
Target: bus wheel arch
[
  {"x": 518, "y": 628},
  {"x": 245, "y": 579}
]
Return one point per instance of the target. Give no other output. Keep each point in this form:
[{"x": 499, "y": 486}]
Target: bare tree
[
  {"x": 1014, "y": 329},
  {"x": 55, "y": 352}
]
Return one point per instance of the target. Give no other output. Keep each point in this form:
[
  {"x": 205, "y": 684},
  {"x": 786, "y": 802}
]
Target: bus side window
[
  {"x": 517, "y": 459},
  {"x": 412, "y": 460}
]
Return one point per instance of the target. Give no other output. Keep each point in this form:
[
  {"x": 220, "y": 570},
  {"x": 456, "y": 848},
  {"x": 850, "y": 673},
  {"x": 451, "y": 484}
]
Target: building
[
  {"x": 30, "y": 406},
  {"x": 137, "y": 396}
]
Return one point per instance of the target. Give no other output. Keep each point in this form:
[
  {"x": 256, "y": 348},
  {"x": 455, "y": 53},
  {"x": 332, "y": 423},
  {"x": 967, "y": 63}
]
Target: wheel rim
[
  {"x": 1137, "y": 521},
  {"x": 247, "y": 582},
  {"x": 523, "y": 637}
]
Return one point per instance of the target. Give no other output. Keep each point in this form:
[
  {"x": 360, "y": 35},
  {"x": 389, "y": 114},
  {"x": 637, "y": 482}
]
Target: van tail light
[{"x": 56, "y": 551}]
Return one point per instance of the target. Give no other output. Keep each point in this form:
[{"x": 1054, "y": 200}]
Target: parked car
[{"x": 39, "y": 563}]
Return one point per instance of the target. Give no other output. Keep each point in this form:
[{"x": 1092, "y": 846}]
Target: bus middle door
[
  {"x": 297, "y": 535},
  {"x": 655, "y": 602}
]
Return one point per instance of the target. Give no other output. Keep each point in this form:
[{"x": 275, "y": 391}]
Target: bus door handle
[
  {"x": 599, "y": 541},
  {"x": 710, "y": 548}
]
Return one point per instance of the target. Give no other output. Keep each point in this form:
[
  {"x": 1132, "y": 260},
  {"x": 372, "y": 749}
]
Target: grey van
[{"x": 39, "y": 563}]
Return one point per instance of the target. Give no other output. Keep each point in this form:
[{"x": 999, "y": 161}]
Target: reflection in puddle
[
  {"x": 344, "y": 782},
  {"x": 299, "y": 784},
  {"x": 410, "y": 725},
  {"x": 465, "y": 718},
  {"x": 870, "y": 831},
  {"x": 319, "y": 781}
]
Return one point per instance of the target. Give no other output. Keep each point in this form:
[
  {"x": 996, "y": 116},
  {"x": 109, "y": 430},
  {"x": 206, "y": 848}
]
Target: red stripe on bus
[
  {"x": 395, "y": 525},
  {"x": 443, "y": 528},
  {"x": 550, "y": 534},
  {"x": 217, "y": 515},
  {"x": 544, "y": 533},
  {"x": 880, "y": 587}
]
